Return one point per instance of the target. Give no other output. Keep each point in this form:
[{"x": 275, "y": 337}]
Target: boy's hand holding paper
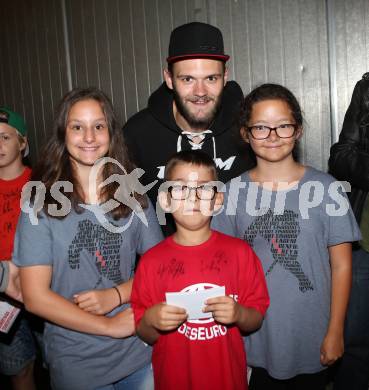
[{"x": 194, "y": 302}]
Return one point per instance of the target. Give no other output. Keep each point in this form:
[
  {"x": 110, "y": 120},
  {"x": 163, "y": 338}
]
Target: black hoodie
[{"x": 153, "y": 136}]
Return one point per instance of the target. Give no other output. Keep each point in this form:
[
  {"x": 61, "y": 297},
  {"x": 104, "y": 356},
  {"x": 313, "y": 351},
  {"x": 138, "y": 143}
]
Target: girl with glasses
[{"x": 298, "y": 221}]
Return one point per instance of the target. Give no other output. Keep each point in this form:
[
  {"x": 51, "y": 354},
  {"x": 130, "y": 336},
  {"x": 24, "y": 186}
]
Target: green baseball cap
[{"x": 13, "y": 119}]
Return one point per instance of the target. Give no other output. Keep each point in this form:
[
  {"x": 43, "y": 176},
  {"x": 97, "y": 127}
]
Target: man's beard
[{"x": 197, "y": 123}]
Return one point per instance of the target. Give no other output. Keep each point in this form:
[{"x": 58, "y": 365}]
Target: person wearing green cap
[{"x": 17, "y": 350}]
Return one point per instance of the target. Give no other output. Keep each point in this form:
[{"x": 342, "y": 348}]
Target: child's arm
[
  {"x": 9, "y": 278},
  {"x": 160, "y": 318},
  {"x": 340, "y": 257},
  {"x": 227, "y": 311},
  {"x": 41, "y": 300},
  {"x": 104, "y": 301}
]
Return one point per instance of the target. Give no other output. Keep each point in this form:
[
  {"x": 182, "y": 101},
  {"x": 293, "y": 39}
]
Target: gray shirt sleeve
[
  {"x": 33, "y": 243},
  {"x": 4, "y": 275}
]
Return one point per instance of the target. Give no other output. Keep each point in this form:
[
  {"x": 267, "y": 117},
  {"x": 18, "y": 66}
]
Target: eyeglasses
[
  {"x": 182, "y": 192},
  {"x": 286, "y": 130}
]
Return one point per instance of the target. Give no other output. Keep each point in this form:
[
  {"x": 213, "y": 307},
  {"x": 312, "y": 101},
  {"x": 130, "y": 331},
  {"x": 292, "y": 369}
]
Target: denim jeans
[
  {"x": 141, "y": 379},
  {"x": 20, "y": 352},
  {"x": 353, "y": 370}
]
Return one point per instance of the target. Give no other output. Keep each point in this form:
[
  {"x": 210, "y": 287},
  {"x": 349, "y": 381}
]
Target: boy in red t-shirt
[
  {"x": 16, "y": 355},
  {"x": 200, "y": 353}
]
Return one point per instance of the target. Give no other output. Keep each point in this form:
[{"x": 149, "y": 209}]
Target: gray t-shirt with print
[
  {"x": 84, "y": 256},
  {"x": 290, "y": 231}
]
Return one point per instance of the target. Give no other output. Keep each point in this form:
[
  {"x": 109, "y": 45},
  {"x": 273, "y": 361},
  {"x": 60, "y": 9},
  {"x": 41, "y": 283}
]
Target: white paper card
[
  {"x": 194, "y": 301},
  {"x": 8, "y": 314}
]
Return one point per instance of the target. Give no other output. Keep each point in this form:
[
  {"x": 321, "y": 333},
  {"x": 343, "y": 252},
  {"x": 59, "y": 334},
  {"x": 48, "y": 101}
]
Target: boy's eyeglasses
[
  {"x": 182, "y": 192},
  {"x": 286, "y": 130}
]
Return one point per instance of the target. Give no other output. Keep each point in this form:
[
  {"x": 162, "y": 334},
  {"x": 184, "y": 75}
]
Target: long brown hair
[{"x": 55, "y": 165}]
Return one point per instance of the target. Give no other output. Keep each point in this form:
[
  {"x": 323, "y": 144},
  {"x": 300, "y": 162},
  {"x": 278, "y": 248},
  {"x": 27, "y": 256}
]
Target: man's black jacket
[{"x": 349, "y": 157}]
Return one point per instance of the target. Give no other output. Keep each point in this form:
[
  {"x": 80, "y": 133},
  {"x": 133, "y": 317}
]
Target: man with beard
[{"x": 194, "y": 108}]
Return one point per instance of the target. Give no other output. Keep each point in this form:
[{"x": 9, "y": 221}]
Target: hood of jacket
[{"x": 160, "y": 105}]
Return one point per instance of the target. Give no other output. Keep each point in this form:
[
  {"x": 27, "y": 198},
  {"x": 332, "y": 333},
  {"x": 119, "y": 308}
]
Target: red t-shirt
[
  {"x": 10, "y": 195},
  {"x": 200, "y": 354}
]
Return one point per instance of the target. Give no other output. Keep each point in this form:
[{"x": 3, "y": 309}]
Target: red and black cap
[{"x": 196, "y": 40}]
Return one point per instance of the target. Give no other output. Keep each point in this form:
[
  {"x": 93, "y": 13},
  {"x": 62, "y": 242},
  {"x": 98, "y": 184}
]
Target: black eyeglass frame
[
  {"x": 294, "y": 125},
  {"x": 189, "y": 189}
]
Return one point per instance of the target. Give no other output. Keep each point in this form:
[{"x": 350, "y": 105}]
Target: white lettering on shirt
[
  {"x": 202, "y": 333},
  {"x": 226, "y": 165}
]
